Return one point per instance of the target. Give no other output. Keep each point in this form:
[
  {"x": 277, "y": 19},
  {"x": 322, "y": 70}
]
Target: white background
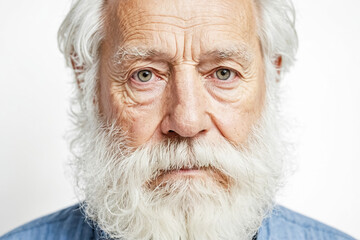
[{"x": 323, "y": 95}]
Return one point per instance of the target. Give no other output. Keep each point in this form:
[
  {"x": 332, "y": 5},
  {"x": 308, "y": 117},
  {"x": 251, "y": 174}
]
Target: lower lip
[{"x": 179, "y": 174}]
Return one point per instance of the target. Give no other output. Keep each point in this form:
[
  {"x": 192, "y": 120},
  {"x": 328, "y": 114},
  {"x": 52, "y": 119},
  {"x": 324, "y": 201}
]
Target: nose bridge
[
  {"x": 186, "y": 87},
  {"x": 186, "y": 113}
]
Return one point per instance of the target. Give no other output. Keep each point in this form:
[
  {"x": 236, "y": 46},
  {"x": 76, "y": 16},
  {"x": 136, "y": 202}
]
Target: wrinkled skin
[{"x": 187, "y": 43}]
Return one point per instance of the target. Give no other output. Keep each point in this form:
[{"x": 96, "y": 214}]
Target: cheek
[
  {"x": 236, "y": 126},
  {"x": 236, "y": 120},
  {"x": 141, "y": 124},
  {"x": 139, "y": 121},
  {"x": 138, "y": 110}
]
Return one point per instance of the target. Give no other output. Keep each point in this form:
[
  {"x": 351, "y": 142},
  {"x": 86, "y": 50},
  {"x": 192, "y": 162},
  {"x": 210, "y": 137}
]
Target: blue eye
[
  {"x": 223, "y": 74},
  {"x": 144, "y": 75}
]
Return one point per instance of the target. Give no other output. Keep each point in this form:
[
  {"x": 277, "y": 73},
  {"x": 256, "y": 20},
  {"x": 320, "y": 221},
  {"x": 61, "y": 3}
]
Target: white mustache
[{"x": 153, "y": 160}]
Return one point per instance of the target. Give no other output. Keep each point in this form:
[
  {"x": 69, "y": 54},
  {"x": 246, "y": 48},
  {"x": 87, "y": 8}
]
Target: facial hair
[{"x": 125, "y": 196}]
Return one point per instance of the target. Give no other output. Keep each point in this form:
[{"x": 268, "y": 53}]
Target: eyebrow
[
  {"x": 239, "y": 52},
  {"x": 136, "y": 53}
]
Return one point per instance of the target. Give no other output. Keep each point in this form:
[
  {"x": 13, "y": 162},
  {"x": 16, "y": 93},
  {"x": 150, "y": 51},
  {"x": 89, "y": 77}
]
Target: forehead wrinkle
[
  {"x": 187, "y": 19},
  {"x": 132, "y": 13},
  {"x": 135, "y": 10},
  {"x": 142, "y": 15},
  {"x": 146, "y": 29},
  {"x": 181, "y": 23}
]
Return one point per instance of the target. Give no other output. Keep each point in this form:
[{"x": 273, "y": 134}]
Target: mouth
[
  {"x": 190, "y": 173},
  {"x": 187, "y": 172}
]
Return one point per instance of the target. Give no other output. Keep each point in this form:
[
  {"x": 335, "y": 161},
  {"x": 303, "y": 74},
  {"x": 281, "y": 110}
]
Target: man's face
[
  {"x": 189, "y": 140},
  {"x": 200, "y": 73}
]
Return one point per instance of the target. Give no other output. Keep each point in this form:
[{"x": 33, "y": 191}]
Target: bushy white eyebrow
[
  {"x": 239, "y": 52},
  {"x": 123, "y": 54}
]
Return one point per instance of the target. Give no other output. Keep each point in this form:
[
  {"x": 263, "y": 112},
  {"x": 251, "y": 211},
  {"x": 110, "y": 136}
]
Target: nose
[{"x": 186, "y": 106}]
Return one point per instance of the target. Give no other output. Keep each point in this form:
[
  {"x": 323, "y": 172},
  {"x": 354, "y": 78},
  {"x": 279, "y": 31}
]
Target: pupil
[{"x": 223, "y": 72}]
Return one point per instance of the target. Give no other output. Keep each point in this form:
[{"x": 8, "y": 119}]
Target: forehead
[{"x": 173, "y": 25}]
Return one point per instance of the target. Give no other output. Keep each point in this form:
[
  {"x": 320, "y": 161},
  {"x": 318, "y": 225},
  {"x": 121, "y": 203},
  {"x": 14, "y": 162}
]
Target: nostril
[{"x": 172, "y": 133}]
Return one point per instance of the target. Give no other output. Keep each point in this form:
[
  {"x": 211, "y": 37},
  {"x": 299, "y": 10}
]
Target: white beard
[{"x": 116, "y": 182}]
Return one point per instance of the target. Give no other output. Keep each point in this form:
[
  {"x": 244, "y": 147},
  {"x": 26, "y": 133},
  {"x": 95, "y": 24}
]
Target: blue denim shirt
[{"x": 70, "y": 223}]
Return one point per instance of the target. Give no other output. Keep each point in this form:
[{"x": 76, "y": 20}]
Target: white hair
[{"x": 101, "y": 160}]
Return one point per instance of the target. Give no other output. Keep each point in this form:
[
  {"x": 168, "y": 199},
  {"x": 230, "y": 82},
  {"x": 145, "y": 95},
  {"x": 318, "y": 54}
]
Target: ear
[
  {"x": 278, "y": 65},
  {"x": 77, "y": 69}
]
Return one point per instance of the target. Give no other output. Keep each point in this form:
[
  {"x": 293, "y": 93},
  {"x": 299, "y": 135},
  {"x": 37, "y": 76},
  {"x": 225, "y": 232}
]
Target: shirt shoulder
[
  {"x": 286, "y": 224},
  {"x": 65, "y": 224}
]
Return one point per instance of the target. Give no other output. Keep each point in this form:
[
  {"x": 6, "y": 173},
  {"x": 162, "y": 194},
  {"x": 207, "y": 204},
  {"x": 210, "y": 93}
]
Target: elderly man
[{"x": 176, "y": 118}]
